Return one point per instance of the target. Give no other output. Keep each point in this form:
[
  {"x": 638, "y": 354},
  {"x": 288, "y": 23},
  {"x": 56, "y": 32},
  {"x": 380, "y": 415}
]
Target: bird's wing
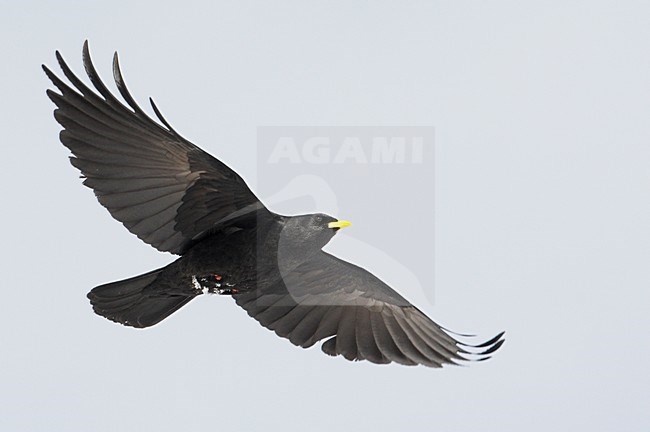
[
  {"x": 361, "y": 317},
  {"x": 163, "y": 188}
]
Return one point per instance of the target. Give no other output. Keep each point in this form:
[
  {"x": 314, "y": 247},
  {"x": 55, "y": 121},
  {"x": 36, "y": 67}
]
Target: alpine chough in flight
[{"x": 179, "y": 199}]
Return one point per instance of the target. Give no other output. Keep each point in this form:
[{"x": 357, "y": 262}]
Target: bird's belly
[{"x": 220, "y": 266}]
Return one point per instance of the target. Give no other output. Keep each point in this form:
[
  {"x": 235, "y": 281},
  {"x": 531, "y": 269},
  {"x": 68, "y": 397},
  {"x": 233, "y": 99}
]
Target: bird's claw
[{"x": 213, "y": 284}]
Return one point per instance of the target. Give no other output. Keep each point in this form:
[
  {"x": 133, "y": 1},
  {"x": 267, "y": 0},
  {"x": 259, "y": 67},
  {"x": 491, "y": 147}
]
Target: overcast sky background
[{"x": 542, "y": 208}]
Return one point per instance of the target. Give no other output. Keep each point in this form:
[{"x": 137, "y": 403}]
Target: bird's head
[{"x": 309, "y": 233}]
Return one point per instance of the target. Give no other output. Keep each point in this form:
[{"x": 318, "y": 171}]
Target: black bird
[{"x": 179, "y": 199}]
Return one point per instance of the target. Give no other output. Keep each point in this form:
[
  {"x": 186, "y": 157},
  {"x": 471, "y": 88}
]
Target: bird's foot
[
  {"x": 228, "y": 291},
  {"x": 213, "y": 284}
]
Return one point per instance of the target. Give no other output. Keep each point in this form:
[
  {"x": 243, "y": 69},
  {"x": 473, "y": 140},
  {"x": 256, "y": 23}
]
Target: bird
[{"x": 178, "y": 198}]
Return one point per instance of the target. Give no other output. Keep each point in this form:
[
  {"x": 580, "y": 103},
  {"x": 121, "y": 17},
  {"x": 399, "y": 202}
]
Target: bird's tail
[{"x": 132, "y": 302}]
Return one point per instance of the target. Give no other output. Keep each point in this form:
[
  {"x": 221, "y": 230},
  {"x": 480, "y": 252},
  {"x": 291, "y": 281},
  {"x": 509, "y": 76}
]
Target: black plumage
[{"x": 179, "y": 199}]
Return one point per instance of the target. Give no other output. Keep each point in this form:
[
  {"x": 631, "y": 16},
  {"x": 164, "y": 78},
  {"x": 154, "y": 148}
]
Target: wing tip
[{"x": 482, "y": 351}]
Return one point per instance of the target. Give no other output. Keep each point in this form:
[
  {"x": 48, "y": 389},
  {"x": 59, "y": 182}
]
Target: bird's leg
[
  {"x": 221, "y": 290},
  {"x": 213, "y": 284},
  {"x": 228, "y": 291}
]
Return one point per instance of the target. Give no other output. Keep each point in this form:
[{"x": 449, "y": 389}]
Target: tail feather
[{"x": 129, "y": 302}]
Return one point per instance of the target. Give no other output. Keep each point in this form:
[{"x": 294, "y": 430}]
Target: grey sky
[{"x": 542, "y": 203}]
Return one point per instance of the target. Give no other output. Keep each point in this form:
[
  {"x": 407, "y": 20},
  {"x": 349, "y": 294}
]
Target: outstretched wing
[
  {"x": 361, "y": 317},
  {"x": 163, "y": 188}
]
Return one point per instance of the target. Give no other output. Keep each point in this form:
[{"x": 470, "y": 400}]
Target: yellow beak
[{"x": 339, "y": 224}]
